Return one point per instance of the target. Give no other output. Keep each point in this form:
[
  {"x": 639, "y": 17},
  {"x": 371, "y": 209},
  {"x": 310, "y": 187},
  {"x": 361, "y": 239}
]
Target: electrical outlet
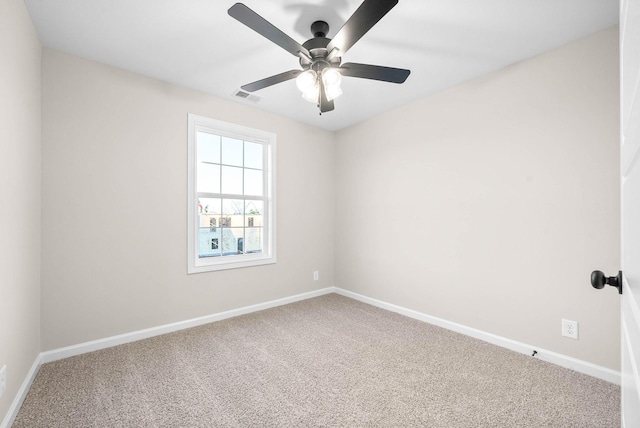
[
  {"x": 3, "y": 380},
  {"x": 316, "y": 275},
  {"x": 570, "y": 329}
]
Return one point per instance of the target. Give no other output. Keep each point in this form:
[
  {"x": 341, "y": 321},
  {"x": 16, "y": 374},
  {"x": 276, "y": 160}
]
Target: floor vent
[{"x": 246, "y": 96}]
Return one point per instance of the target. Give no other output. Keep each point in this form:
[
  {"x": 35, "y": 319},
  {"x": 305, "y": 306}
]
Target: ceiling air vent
[{"x": 246, "y": 96}]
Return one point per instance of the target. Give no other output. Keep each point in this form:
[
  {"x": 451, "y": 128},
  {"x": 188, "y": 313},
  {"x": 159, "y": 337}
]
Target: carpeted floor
[{"x": 328, "y": 361}]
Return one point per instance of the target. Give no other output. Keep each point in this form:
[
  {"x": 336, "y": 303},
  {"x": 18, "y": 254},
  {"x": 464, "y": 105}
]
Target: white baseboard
[
  {"x": 94, "y": 345},
  {"x": 580, "y": 366},
  {"x": 22, "y": 394}
]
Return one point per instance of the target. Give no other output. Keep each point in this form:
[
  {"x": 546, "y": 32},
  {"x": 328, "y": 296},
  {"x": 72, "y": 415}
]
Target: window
[{"x": 231, "y": 196}]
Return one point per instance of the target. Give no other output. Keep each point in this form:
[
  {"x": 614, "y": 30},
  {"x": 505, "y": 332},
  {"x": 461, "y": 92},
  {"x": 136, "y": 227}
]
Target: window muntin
[{"x": 231, "y": 196}]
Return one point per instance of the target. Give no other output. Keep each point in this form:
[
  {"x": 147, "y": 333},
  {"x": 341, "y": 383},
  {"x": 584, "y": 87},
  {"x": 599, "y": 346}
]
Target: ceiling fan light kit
[
  {"x": 321, "y": 57},
  {"x": 309, "y": 84}
]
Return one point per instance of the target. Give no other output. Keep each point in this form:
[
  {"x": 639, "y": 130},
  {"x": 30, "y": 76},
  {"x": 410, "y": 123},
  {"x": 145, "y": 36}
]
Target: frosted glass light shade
[
  {"x": 332, "y": 79},
  {"x": 332, "y": 92},
  {"x": 312, "y": 93},
  {"x": 307, "y": 80}
]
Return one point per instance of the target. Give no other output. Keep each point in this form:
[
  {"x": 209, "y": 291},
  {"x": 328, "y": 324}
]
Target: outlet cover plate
[{"x": 570, "y": 329}]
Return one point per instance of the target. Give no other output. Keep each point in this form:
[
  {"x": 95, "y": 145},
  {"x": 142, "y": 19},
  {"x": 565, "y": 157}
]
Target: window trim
[{"x": 196, "y": 264}]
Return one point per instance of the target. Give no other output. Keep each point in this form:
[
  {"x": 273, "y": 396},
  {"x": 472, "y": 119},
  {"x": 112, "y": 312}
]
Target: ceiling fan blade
[
  {"x": 269, "y": 81},
  {"x": 325, "y": 104},
  {"x": 365, "y": 17},
  {"x": 374, "y": 72},
  {"x": 263, "y": 27}
]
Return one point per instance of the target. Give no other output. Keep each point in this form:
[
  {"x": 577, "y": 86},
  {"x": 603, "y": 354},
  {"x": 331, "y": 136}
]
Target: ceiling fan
[{"x": 321, "y": 57}]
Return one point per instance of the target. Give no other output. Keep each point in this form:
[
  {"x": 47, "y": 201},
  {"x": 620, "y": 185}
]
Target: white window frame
[{"x": 225, "y": 129}]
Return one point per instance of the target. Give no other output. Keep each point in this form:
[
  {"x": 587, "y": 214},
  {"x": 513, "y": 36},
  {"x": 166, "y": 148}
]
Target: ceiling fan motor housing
[
  {"x": 317, "y": 47},
  {"x": 319, "y": 29}
]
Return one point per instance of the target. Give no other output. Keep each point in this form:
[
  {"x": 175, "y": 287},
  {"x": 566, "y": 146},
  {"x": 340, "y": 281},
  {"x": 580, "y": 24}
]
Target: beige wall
[
  {"x": 20, "y": 54},
  {"x": 114, "y": 205},
  {"x": 490, "y": 204}
]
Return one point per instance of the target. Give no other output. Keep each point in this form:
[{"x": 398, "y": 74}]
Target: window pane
[
  {"x": 254, "y": 213},
  {"x": 252, "y": 155},
  {"x": 233, "y": 213},
  {"x": 231, "y": 151},
  {"x": 252, "y": 182},
  {"x": 232, "y": 241},
  {"x": 232, "y": 180},
  {"x": 253, "y": 240},
  {"x": 208, "y": 231},
  {"x": 208, "y": 178},
  {"x": 208, "y": 147},
  {"x": 210, "y": 206}
]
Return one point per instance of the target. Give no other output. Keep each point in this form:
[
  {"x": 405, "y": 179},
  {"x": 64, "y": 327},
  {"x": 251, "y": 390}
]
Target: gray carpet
[{"x": 328, "y": 361}]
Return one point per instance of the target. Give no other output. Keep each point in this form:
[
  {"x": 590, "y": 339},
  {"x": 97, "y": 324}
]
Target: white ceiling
[{"x": 196, "y": 44}]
